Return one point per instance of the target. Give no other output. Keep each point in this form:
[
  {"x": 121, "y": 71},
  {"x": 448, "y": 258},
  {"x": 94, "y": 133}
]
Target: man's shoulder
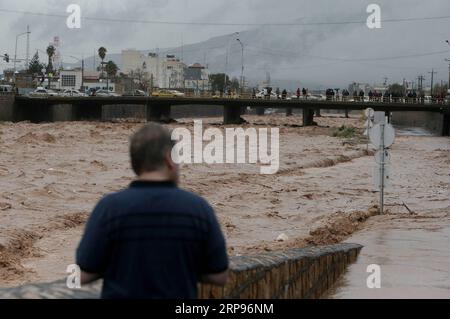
[{"x": 176, "y": 196}]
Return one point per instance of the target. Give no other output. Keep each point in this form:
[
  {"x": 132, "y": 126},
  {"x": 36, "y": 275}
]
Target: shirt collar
[{"x": 140, "y": 183}]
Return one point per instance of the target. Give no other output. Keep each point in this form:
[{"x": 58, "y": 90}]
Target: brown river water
[{"x": 51, "y": 175}]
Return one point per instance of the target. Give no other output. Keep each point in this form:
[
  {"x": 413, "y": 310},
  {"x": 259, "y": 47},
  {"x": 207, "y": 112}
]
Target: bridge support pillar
[
  {"x": 37, "y": 112},
  {"x": 232, "y": 114},
  {"x": 260, "y": 111},
  {"x": 308, "y": 117},
  {"x": 289, "y": 111},
  {"x": 159, "y": 113},
  {"x": 446, "y": 125},
  {"x": 87, "y": 111}
]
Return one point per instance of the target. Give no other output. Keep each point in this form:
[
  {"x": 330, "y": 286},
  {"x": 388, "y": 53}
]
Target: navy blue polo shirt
[{"x": 152, "y": 240}]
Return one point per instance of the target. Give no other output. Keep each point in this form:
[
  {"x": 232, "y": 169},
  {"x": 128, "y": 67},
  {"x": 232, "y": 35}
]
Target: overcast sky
[{"x": 355, "y": 41}]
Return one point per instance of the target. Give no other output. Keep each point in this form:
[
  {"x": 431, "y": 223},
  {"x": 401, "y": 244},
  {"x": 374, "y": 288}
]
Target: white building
[
  {"x": 70, "y": 79},
  {"x": 166, "y": 72},
  {"x": 196, "y": 77}
]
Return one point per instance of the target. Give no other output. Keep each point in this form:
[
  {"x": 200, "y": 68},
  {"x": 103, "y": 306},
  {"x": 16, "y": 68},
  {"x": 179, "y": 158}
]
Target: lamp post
[
  {"x": 15, "y": 52},
  {"x": 448, "y": 60},
  {"x": 226, "y": 62},
  {"x": 242, "y": 70}
]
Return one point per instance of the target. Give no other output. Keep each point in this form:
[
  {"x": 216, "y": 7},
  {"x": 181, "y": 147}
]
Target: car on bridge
[
  {"x": 72, "y": 93},
  {"x": 262, "y": 95},
  {"x": 167, "y": 93},
  {"x": 41, "y": 92},
  {"x": 105, "y": 93},
  {"x": 136, "y": 93}
]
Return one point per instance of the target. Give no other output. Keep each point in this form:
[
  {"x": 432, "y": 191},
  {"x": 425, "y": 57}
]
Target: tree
[
  {"x": 35, "y": 65},
  {"x": 217, "y": 81},
  {"x": 51, "y": 50},
  {"x": 102, "y": 54},
  {"x": 235, "y": 84},
  {"x": 396, "y": 90},
  {"x": 111, "y": 69}
]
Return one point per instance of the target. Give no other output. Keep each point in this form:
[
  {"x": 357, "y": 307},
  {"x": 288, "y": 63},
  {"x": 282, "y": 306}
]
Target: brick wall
[{"x": 296, "y": 273}]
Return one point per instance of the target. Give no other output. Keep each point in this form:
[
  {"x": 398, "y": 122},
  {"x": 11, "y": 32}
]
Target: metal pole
[
  {"x": 15, "y": 55},
  {"x": 28, "y": 47},
  {"x": 382, "y": 169},
  {"x": 242, "y": 61},
  {"x": 82, "y": 74}
]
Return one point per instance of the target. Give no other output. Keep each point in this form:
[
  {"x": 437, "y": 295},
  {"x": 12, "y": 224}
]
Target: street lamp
[
  {"x": 448, "y": 60},
  {"x": 242, "y": 70},
  {"x": 15, "y": 51},
  {"x": 226, "y": 62}
]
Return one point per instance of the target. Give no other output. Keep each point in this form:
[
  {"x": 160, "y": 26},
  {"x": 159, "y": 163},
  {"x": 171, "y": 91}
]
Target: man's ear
[{"x": 169, "y": 162}]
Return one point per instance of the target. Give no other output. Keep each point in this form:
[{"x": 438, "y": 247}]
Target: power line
[
  {"x": 316, "y": 23},
  {"x": 277, "y": 52}
]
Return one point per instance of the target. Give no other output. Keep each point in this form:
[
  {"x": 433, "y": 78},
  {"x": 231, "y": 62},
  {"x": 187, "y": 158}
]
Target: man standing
[{"x": 153, "y": 240}]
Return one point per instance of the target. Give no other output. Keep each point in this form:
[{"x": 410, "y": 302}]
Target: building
[
  {"x": 165, "y": 72},
  {"x": 70, "y": 79},
  {"x": 196, "y": 78}
]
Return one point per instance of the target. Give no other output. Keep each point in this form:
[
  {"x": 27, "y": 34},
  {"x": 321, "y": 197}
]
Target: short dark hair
[{"x": 148, "y": 148}]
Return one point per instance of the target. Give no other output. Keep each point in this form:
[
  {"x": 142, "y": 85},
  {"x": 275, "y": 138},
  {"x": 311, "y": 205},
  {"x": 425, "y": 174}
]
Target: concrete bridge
[{"x": 159, "y": 109}]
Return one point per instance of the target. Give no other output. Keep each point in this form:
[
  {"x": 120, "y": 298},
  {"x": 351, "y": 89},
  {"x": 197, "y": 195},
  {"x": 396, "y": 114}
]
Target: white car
[
  {"x": 72, "y": 92},
  {"x": 262, "y": 95},
  {"x": 105, "y": 93},
  {"x": 41, "y": 92},
  {"x": 311, "y": 97},
  {"x": 177, "y": 93}
]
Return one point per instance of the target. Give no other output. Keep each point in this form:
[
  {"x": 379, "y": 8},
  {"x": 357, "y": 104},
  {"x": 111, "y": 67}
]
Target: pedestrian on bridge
[
  {"x": 361, "y": 95},
  {"x": 298, "y": 94}
]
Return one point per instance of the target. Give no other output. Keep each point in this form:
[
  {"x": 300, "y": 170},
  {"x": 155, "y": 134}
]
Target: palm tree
[
  {"x": 50, "y": 52},
  {"x": 111, "y": 69},
  {"x": 102, "y": 54}
]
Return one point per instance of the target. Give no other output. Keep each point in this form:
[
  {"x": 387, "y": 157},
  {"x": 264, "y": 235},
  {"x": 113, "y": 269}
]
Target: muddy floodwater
[{"x": 51, "y": 176}]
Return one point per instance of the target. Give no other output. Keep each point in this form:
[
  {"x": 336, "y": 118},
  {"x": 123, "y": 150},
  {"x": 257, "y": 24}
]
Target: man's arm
[
  {"x": 219, "y": 279},
  {"x": 215, "y": 267},
  {"x": 93, "y": 251},
  {"x": 87, "y": 278}
]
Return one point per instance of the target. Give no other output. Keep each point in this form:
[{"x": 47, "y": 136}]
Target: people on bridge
[
  {"x": 254, "y": 93},
  {"x": 277, "y": 92},
  {"x": 269, "y": 93},
  {"x": 370, "y": 95},
  {"x": 298, "y": 93},
  {"x": 305, "y": 93},
  {"x": 345, "y": 94},
  {"x": 329, "y": 94},
  {"x": 386, "y": 96},
  {"x": 361, "y": 95},
  {"x": 284, "y": 94},
  {"x": 153, "y": 240}
]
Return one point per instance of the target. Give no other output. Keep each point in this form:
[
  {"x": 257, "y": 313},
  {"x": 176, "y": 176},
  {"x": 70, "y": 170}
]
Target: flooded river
[{"x": 412, "y": 252}]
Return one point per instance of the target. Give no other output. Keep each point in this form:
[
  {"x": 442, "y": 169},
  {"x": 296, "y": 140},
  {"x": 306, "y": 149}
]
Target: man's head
[{"x": 150, "y": 152}]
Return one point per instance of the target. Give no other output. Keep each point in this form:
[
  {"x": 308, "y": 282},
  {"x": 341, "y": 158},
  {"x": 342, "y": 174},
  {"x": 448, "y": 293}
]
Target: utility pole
[
  {"x": 432, "y": 80},
  {"x": 27, "y": 61},
  {"x": 242, "y": 70},
  {"x": 420, "y": 82},
  {"x": 448, "y": 84}
]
